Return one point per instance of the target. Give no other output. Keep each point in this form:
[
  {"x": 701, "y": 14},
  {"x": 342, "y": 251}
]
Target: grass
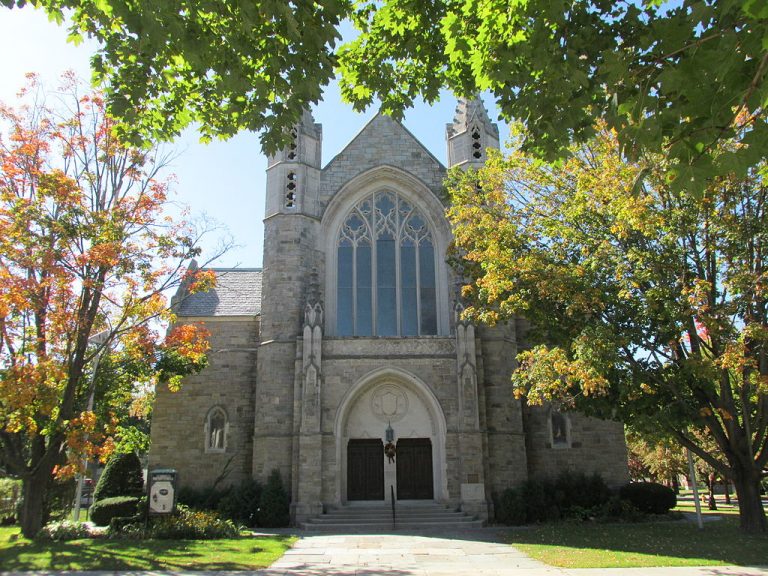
[
  {"x": 244, "y": 553},
  {"x": 586, "y": 545}
]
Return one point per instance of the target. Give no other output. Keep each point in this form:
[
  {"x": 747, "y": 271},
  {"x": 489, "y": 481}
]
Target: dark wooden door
[
  {"x": 365, "y": 470},
  {"x": 414, "y": 469}
]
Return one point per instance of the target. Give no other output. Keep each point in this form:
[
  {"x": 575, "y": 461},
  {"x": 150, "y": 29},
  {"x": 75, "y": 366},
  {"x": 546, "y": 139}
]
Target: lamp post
[{"x": 99, "y": 339}]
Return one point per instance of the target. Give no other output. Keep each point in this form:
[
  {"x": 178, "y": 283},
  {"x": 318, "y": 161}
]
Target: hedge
[{"x": 102, "y": 511}]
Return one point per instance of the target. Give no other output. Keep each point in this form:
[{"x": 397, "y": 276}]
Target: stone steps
[{"x": 378, "y": 518}]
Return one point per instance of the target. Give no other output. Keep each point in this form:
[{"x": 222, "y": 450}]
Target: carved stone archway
[{"x": 390, "y": 396}]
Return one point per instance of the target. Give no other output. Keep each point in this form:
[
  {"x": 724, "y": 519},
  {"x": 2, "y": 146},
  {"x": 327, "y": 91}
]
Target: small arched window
[
  {"x": 216, "y": 428},
  {"x": 560, "y": 429},
  {"x": 385, "y": 270}
]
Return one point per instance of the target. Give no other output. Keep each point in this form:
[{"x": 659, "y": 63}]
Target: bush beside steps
[{"x": 580, "y": 497}]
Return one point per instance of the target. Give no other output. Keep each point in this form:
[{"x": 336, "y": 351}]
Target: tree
[
  {"x": 84, "y": 250},
  {"x": 661, "y": 460},
  {"x": 648, "y": 302},
  {"x": 672, "y": 76}
]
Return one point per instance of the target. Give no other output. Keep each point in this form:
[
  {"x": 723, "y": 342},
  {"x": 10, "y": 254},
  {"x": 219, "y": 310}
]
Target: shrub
[
  {"x": 183, "y": 524},
  {"x": 273, "y": 503},
  {"x": 649, "y": 497},
  {"x": 122, "y": 476},
  {"x": 540, "y": 501},
  {"x": 573, "y": 495},
  {"x": 104, "y": 510},
  {"x": 62, "y": 531},
  {"x": 581, "y": 491},
  {"x": 616, "y": 509},
  {"x": 510, "y": 508},
  {"x": 200, "y": 498},
  {"x": 241, "y": 503},
  {"x": 10, "y": 496}
]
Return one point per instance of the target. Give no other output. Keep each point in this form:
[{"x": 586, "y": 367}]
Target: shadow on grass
[
  {"x": 719, "y": 542},
  {"x": 102, "y": 554}
]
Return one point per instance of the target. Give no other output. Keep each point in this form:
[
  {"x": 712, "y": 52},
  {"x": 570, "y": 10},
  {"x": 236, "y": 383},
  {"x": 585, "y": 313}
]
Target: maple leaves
[
  {"x": 84, "y": 250},
  {"x": 646, "y": 301}
]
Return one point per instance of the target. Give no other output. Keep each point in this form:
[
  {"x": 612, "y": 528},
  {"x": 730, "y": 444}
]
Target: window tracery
[{"x": 386, "y": 270}]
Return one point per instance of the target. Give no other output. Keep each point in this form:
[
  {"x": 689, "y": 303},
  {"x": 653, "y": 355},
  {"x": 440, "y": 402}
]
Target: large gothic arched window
[{"x": 386, "y": 270}]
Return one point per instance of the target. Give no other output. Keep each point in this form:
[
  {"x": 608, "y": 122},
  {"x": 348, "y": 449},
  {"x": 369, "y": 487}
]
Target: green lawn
[
  {"x": 571, "y": 545},
  {"x": 244, "y": 553}
]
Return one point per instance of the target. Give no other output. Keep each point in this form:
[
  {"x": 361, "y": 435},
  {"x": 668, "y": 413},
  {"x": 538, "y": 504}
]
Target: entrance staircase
[{"x": 378, "y": 518}]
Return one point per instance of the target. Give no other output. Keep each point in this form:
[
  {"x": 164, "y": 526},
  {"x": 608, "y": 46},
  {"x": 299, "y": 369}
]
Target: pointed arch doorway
[{"x": 390, "y": 397}]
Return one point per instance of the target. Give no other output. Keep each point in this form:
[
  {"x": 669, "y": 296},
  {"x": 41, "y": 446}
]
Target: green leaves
[
  {"x": 679, "y": 80},
  {"x": 647, "y": 302}
]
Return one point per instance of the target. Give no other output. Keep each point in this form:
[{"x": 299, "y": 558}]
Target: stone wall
[
  {"x": 506, "y": 459},
  {"x": 595, "y": 446},
  {"x": 178, "y": 419}
]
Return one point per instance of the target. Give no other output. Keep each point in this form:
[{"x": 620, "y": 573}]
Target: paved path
[
  {"x": 401, "y": 555},
  {"x": 472, "y": 553},
  {"x": 475, "y": 553}
]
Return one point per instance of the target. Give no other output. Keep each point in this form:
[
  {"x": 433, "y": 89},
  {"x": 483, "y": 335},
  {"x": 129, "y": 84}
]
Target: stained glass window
[{"x": 385, "y": 270}]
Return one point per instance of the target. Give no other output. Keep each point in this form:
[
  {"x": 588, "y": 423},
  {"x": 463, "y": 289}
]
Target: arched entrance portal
[{"x": 384, "y": 398}]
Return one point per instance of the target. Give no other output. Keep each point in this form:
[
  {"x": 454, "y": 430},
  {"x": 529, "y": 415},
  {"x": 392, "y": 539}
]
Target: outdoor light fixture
[{"x": 390, "y": 434}]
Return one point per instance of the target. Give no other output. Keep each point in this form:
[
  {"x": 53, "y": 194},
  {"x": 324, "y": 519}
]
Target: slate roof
[{"x": 237, "y": 293}]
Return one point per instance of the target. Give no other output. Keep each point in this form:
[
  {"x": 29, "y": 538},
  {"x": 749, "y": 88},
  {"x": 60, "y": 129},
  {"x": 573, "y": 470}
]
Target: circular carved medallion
[{"x": 389, "y": 403}]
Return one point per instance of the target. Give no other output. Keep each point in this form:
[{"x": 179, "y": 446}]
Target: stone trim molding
[{"x": 416, "y": 386}]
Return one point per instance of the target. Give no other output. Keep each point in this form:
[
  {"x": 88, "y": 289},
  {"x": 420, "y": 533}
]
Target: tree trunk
[
  {"x": 32, "y": 513},
  {"x": 751, "y": 513},
  {"x": 712, "y": 503},
  {"x": 727, "y": 488}
]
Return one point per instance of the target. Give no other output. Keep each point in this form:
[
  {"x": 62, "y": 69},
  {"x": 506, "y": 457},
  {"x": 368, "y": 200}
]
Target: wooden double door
[{"x": 365, "y": 469}]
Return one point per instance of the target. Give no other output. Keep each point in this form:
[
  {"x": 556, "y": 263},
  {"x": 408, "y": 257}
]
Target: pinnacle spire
[
  {"x": 471, "y": 111},
  {"x": 470, "y": 134}
]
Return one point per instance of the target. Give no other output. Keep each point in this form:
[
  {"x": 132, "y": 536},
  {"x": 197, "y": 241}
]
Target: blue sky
[{"x": 223, "y": 180}]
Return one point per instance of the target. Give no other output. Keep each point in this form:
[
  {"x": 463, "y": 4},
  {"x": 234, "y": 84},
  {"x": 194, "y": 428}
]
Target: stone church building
[{"x": 347, "y": 345}]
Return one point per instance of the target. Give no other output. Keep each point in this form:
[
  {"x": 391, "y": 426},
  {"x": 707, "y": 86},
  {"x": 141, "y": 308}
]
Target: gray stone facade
[{"x": 302, "y": 396}]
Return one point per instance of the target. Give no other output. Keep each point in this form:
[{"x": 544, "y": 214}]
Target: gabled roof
[
  {"x": 237, "y": 293},
  {"x": 382, "y": 142}
]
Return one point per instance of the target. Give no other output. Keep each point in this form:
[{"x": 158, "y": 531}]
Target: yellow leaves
[
  {"x": 188, "y": 340},
  {"x": 706, "y": 412},
  {"x": 545, "y": 374},
  {"x": 698, "y": 295},
  {"x": 735, "y": 357},
  {"x": 647, "y": 389},
  {"x": 174, "y": 382},
  {"x": 201, "y": 280},
  {"x": 761, "y": 383},
  {"x": 724, "y": 414}
]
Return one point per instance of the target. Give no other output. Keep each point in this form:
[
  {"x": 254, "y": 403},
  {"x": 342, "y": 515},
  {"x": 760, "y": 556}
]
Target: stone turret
[
  {"x": 293, "y": 178},
  {"x": 470, "y": 134},
  {"x": 291, "y": 231},
  {"x": 293, "y": 173}
]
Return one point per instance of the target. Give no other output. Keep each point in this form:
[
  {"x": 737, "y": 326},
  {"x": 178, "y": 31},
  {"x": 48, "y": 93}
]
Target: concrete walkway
[{"x": 473, "y": 553}]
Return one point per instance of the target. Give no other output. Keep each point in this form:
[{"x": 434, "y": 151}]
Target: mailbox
[{"x": 162, "y": 491}]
